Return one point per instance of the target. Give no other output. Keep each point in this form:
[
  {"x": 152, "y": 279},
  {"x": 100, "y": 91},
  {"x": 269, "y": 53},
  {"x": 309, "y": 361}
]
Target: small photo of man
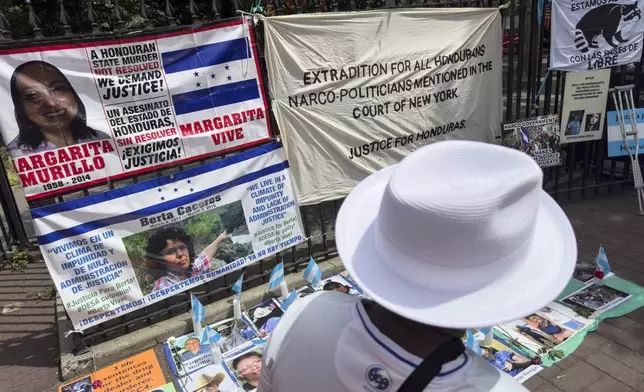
[
  {"x": 573, "y": 127},
  {"x": 233, "y": 334},
  {"x": 193, "y": 349}
]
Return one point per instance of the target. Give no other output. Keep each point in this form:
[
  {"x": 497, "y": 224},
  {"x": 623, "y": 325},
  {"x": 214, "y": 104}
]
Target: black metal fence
[{"x": 586, "y": 168}]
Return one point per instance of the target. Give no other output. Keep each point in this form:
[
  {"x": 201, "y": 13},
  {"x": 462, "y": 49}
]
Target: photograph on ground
[
  {"x": 234, "y": 334},
  {"x": 246, "y": 367},
  {"x": 516, "y": 362},
  {"x": 584, "y": 271},
  {"x": 264, "y": 317},
  {"x": 210, "y": 378},
  {"x": 348, "y": 278},
  {"x": 594, "y": 298},
  {"x": 83, "y": 385},
  {"x": 337, "y": 283},
  {"x": 169, "y": 254}
]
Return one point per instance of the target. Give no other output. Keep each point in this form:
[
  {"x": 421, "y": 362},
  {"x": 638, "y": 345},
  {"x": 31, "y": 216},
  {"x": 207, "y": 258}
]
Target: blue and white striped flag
[
  {"x": 198, "y": 314},
  {"x": 471, "y": 343},
  {"x": 602, "y": 261},
  {"x": 524, "y": 136},
  {"x": 237, "y": 287},
  {"x": 313, "y": 274},
  {"x": 210, "y": 335},
  {"x": 289, "y": 300},
  {"x": 277, "y": 276},
  {"x": 213, "y": 72}
]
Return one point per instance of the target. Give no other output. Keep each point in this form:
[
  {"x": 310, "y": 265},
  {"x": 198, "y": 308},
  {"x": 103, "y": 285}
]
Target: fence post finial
[
  {"x": 33, "y": 20},
  {"x": 169, "y": 13},
  {"x": 216, "y": 9},
  {"x": 5, "y": 28},
  {"x": 91, "y": 16},
  {"x": 194, "y": 12},
  {"x": 117, "y": 12},
  {"x": 145, "y": 14},
  {"x": 65, "y": 20}
]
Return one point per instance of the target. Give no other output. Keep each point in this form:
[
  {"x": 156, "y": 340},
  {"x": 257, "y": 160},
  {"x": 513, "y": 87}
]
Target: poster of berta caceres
[
  {"x": 118, "y": 251},
  {"x": 82, "y": 113}
]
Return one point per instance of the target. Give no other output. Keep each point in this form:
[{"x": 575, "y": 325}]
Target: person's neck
[
  {"x": 415, "y": 338},
  {"x": 58, "y": 137}
]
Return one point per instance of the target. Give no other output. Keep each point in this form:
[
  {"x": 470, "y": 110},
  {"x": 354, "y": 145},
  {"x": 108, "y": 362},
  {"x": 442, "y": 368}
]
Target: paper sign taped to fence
[
  {"x": 119, "y": 251},
  {"x": 589, "y": 35},
  {"x": 615, "y": 141},
  {"x": 537, "y": 137},
  {"x": 584, "y": 106},
  {"x": 356, "y": 92},
  {"x": 80, "y": 113},
  {"x": 141, "y": 372}
]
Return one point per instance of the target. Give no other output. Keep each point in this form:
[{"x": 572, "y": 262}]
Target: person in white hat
[{"x": 443, "y": 241}]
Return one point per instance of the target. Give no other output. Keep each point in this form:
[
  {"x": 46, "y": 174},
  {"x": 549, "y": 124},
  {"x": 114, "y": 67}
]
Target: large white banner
[
  {"x": 119, "y": 251},
  {"x": 356, "y": 92},
  {"x": 77, "y": 114},
  {"x": 595, "y": 34}
]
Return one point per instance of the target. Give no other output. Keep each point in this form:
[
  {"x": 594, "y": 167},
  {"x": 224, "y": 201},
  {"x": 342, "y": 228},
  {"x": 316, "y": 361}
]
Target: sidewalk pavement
[
  {"x": 609, "y": 360},
  {"x": 28, "y": 343}
]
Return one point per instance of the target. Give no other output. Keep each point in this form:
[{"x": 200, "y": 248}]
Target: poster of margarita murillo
[
  {"x": 118, "y": 251},
  {"x": 78, "y": 114}
]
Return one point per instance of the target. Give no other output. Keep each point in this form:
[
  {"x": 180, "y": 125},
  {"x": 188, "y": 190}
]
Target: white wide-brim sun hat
[{"x": 458, "y": 235}]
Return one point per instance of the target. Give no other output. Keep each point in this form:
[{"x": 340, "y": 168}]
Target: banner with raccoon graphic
[{"x": 595, "y": 34}]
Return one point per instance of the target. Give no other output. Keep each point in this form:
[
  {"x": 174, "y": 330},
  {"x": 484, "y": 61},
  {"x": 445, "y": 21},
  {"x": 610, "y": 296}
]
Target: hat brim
[{"x": 534, "y": 281}]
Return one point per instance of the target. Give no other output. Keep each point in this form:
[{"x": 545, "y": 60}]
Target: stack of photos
[
  {"x": 518, "y": 345},
  {"x": 516, "y": 349},
  {"x": 192, "y": 361},
  {"x": 241, "y": 344},
  {"x": 594, "y": 299}
]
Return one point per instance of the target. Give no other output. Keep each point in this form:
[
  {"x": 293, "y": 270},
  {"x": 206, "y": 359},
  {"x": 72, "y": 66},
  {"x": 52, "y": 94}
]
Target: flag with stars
[
  {"x": 154, "y": 222},
  {"x": 215, "y": 87}
]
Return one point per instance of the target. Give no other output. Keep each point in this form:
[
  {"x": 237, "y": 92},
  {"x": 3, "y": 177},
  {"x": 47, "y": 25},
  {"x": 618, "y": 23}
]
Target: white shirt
[{"x": 325, "y": 342}]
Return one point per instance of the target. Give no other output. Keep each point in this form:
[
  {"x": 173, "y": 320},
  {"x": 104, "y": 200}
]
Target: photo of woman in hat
[
  {"x": 171, "y": 256},
  {"x": 206, "y": 383},
  {"x": 48, "y": 111}
]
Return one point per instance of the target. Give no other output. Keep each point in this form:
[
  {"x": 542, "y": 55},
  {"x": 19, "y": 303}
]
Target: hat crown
[{"x": 461, "y": 204}]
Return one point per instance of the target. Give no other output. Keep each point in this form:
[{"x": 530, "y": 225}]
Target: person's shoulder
[
  {"x": 487, "y": 378},
  {"x": 311, "y": 310}
]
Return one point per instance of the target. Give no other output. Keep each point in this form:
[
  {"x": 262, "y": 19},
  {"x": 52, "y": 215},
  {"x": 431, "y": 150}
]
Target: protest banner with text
[
  {"x": 82, "y": 113},
  {"x": 361, "y": 95},
  {"x": 119, "y": 251},
  {"x": 584, "y": 106},
  {"x": 595, "y": 34}
]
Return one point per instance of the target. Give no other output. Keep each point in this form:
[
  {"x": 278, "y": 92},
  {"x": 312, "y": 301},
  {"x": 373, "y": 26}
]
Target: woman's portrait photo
[
  {"x": 247, "y": 369},
  {"x": 592, "y": 122},
  {"x": 167, "y": 255},
  {"x": 48, "y": 111},
  {"x": 265, "y": 317}
]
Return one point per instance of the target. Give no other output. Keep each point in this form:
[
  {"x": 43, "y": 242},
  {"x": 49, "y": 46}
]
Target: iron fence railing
[{"x": 586, "y": 169}]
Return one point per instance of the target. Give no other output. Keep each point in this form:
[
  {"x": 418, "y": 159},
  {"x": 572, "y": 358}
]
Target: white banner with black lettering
[
  {"x": 356, "y": 92},
  {"x": 595, "y": 34}
]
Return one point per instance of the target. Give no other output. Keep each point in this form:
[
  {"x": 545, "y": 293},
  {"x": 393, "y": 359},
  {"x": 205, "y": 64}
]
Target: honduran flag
[{"x": 213, "y": 80}]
